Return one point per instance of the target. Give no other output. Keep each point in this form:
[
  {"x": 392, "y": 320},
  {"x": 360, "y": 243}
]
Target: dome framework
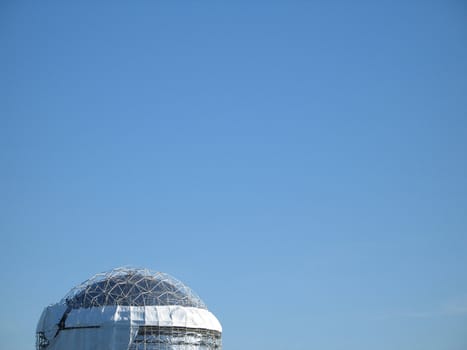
[{"x": 132, "y": 287}]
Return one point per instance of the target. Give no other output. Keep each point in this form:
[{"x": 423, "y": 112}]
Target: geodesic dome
[{"x": 129, "y": 309}]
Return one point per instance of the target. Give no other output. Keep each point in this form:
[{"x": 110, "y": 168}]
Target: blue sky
[{"x": 300, "y": 164}]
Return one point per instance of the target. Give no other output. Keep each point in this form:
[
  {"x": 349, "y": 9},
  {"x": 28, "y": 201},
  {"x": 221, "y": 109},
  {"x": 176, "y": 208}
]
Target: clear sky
[{"x": 302, "y": 165}]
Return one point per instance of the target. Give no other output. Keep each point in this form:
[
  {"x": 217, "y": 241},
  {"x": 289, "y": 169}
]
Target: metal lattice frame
[{"x": 134, "y": 287}]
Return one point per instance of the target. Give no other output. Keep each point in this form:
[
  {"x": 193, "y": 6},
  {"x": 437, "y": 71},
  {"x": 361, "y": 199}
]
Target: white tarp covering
[
  {"x": 163, "y": 316},
  {"x": 113, "y": 327}
]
